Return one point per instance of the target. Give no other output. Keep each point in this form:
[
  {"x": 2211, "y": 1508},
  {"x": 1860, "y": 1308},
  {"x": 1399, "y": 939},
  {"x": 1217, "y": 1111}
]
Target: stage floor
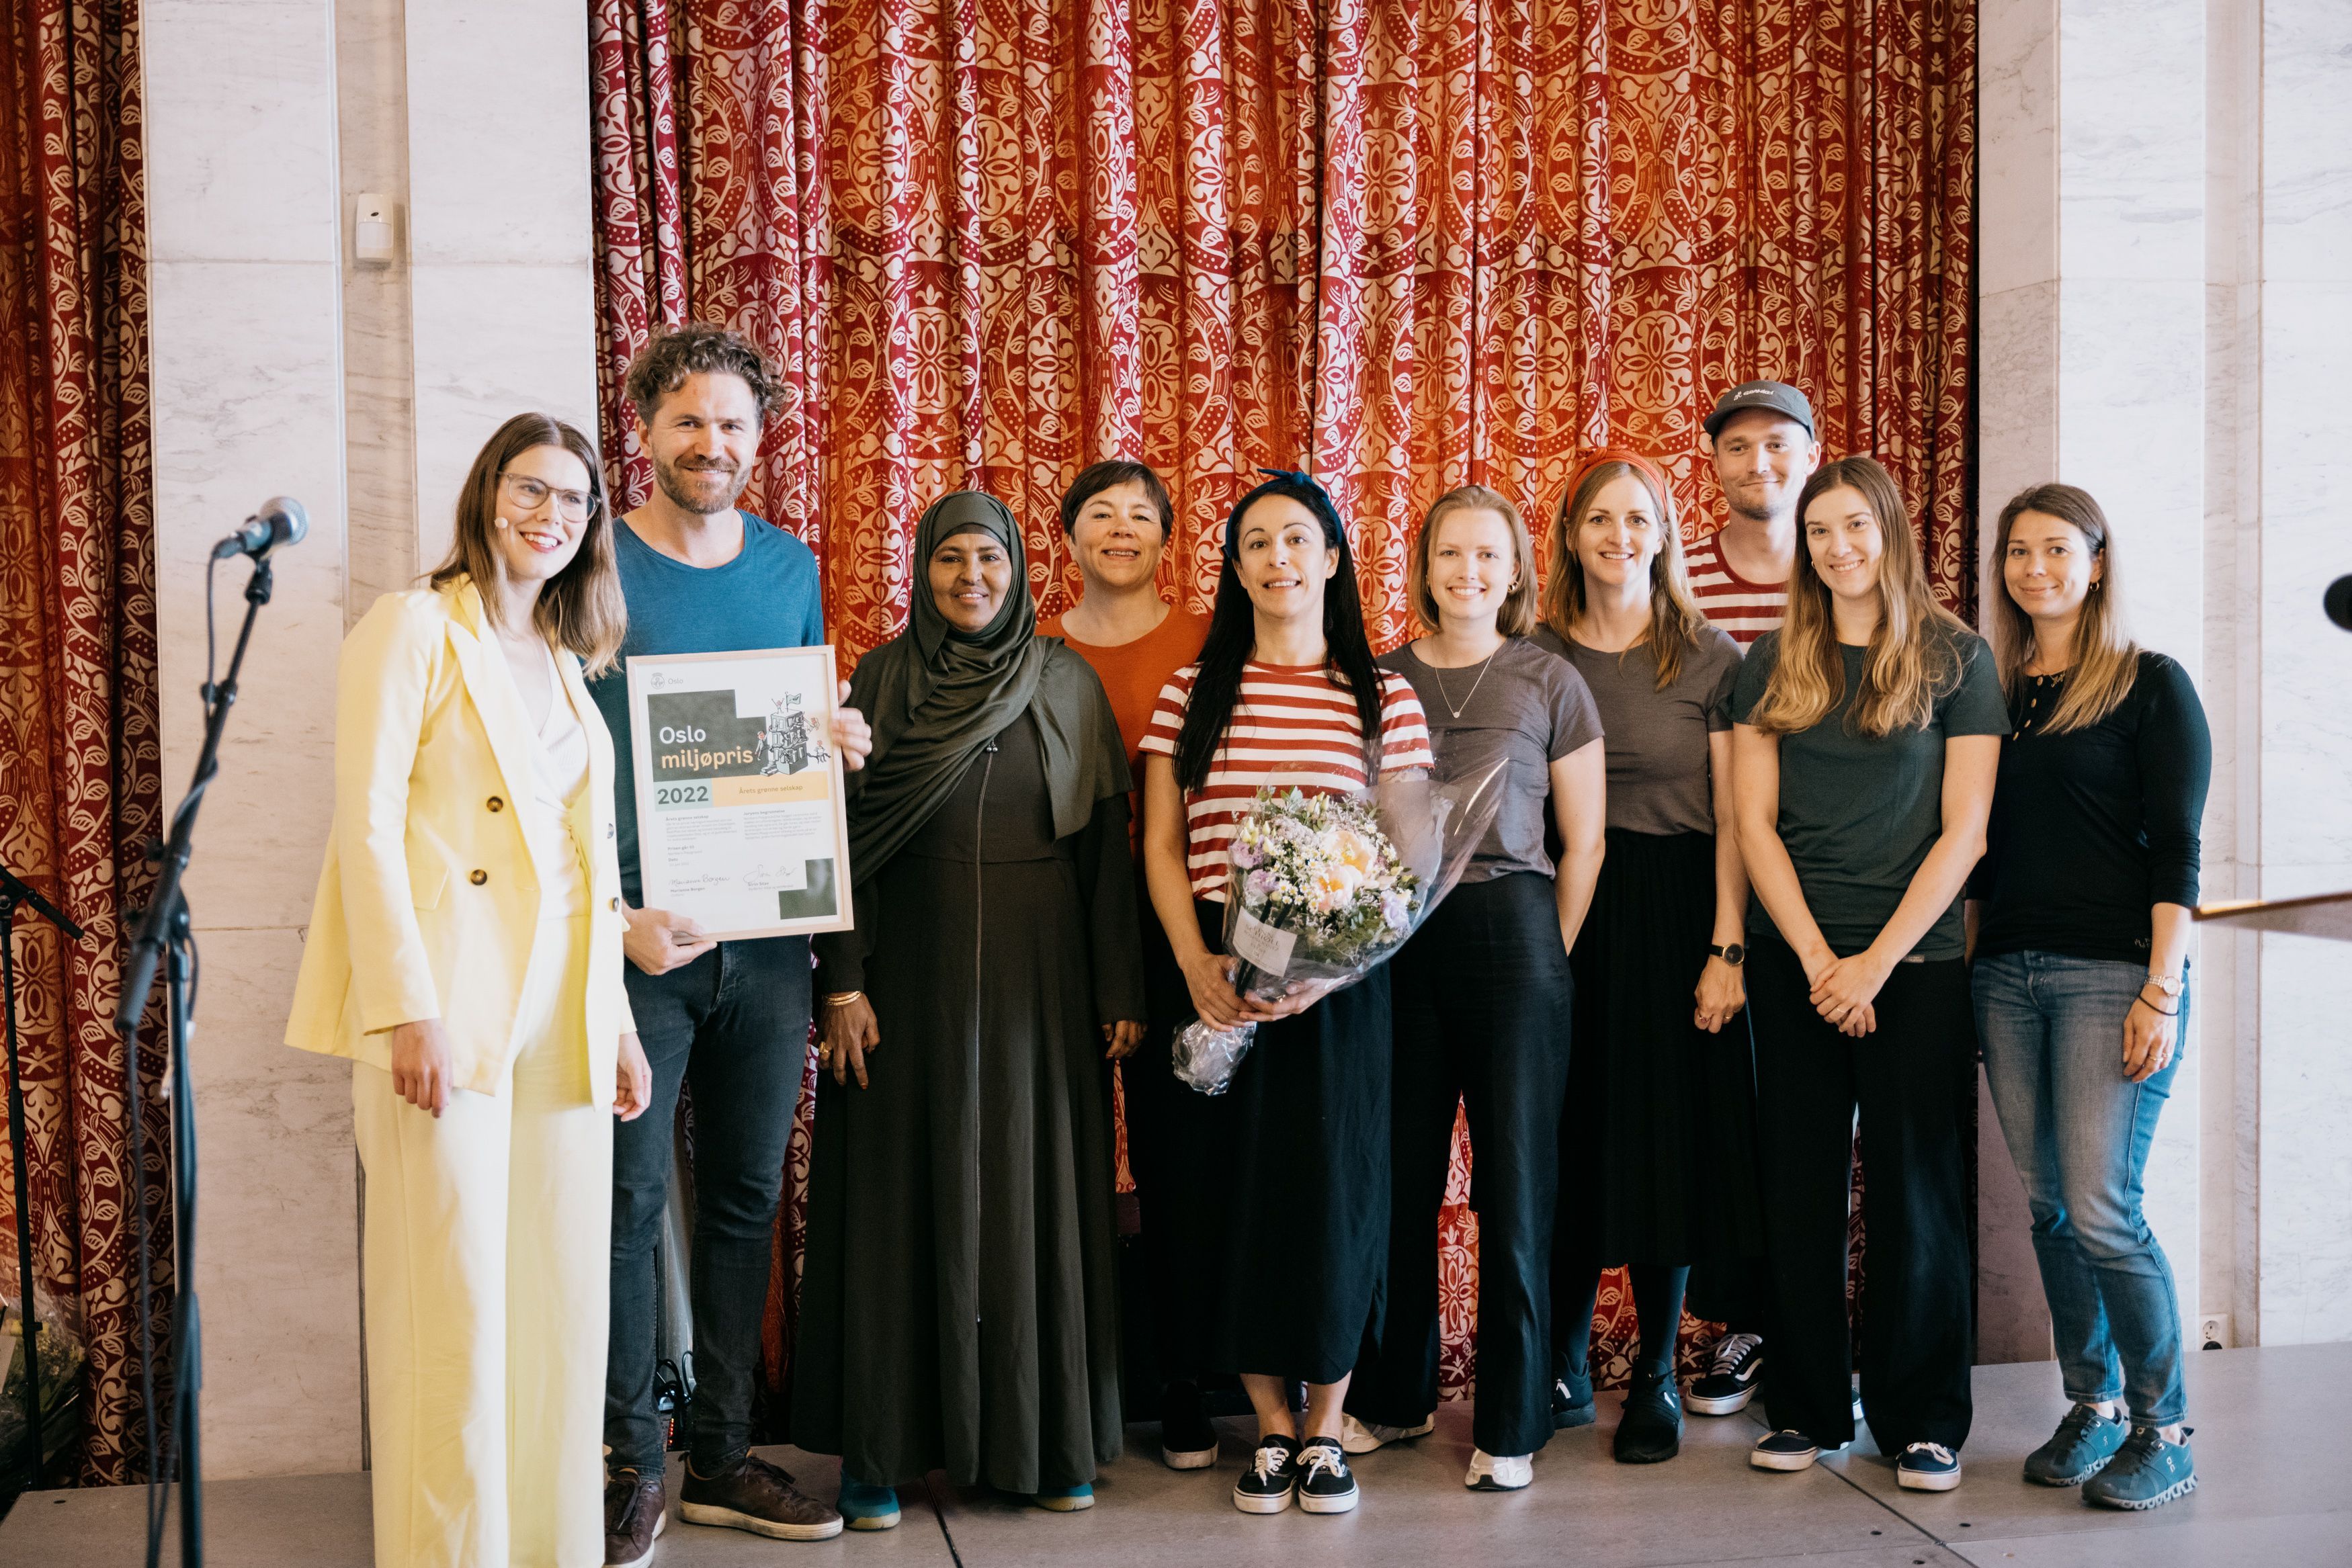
[{"x": 2272, "y": 1493}]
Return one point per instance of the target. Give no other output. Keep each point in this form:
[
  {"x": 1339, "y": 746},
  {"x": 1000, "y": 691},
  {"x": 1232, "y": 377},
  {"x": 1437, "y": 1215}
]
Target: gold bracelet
[{"x": 842, "y": 998}]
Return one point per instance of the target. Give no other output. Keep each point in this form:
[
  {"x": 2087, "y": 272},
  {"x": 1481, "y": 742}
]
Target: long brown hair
[
  {"x": 579, "y": 610},
  {"x": 1516, "y": 617},
  {"x": 2104, "y": 661},
  {"x": 1675, "y": 623},
  {"x": 1906, "y": 667}
]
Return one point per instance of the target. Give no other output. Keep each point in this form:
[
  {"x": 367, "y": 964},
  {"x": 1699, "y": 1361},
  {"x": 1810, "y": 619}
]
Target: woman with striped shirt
[{"x": 1286, "y": 1221}]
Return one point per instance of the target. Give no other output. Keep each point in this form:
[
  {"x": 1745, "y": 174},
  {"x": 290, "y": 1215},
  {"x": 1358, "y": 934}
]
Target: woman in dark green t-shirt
[{"x": 1866, "y": 736}]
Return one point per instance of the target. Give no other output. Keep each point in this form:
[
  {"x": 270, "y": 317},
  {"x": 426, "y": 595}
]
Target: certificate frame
[{"x": 725, "y": 779}]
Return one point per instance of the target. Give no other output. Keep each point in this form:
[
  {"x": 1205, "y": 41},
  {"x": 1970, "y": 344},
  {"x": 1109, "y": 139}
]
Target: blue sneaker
[
  {"x": 2147, "y": 1473},
  {"x": 1065, "y": 1500},
  {"x": 2080, "y": 1448},
  {"x": 865, "y": 1506},
  {"x": 1928, "y": 1467}
]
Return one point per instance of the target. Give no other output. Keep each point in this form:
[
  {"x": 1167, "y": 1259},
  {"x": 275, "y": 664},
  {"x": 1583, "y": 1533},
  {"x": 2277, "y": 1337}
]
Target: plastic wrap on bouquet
[{"x": 1323, "y": 887}]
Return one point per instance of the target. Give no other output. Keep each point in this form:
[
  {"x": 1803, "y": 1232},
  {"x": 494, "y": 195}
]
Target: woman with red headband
[
  {"x": 1482, "y": 991},
  {"x": 1657, "y": 1151}
]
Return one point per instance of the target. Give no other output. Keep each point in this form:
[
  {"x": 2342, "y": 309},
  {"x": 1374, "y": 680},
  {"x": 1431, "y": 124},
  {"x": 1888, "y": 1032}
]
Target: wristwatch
[
  {"x": 2168, "y": 984},
  {"x": 1734, "y": 954}
]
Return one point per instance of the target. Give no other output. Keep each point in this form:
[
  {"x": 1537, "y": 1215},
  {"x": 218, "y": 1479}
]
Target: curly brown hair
[{"x": 700, "y": 348}]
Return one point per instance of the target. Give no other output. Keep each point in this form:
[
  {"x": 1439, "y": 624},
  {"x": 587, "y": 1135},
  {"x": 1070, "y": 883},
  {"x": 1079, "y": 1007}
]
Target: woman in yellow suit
[{"x": 465, "y": 951}]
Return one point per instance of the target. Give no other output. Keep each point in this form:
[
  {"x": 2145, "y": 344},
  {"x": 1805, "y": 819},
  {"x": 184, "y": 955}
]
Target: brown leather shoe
[
  {"x": 758, "y": 1497},
  {"x": 636, "y": 1508}
]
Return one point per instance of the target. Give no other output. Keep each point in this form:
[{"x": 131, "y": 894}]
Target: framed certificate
[{"x": 740, "y": 816}]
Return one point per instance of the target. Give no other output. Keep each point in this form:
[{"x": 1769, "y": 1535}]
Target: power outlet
[{"x": 2213, "y": 1332}]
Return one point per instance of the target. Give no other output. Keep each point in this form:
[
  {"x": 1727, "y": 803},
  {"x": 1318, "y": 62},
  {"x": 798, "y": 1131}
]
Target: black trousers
[
  {"x": 1482, "y": 996},
  {"x": 735, "y": 1023},
  {"x": 1912, "y": 1078}
]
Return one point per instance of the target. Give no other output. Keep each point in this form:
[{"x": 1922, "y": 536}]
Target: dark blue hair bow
[{"x": 1317, "y": 500}]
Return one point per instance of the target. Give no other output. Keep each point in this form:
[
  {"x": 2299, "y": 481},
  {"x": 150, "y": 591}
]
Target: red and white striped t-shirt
[
  {"x": 1294, "y": 725},
  {"x": 1745, "y": 609}
]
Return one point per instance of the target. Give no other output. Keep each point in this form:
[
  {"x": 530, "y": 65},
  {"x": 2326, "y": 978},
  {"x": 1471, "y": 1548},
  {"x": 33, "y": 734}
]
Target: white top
[{"x": 559, "y": 771}]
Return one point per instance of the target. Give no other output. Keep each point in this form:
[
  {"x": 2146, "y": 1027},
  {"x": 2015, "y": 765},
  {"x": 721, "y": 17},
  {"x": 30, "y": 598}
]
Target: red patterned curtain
[
  {"x": 81, "y": 793},
  {"x": 1409, "y": 244}
]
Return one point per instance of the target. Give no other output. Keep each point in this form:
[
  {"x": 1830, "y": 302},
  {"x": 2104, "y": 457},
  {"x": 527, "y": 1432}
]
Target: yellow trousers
[{"x": 486, "y": 1270}]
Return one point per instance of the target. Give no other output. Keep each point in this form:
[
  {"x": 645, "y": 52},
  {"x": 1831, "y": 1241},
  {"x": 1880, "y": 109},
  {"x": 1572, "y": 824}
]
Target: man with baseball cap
[
  {"x": 1761, "y": 435},
  {"x": 1761, "y": 438}
]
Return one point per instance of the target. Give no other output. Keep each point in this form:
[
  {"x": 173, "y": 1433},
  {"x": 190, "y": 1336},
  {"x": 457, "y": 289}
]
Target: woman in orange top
[{"x": 1117, "y": 519}]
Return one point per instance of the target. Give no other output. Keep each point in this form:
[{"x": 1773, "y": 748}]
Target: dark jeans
[
  {"x": 2080, "y": 1131},
  {"x": 735, "y": 1024},
  {"x": 1481, "y": 1019},
  {"x": 1913, "y": 1079}
]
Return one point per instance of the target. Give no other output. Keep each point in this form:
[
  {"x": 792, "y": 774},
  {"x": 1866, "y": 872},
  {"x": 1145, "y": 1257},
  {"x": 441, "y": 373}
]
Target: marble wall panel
[
  {"x": 491, "y": 341},
  {"x": 2131, "y": 156},
  {"x": 2017, "y": 147},
  {"x": 372, "y": 112},
  {"x": 244, "y": 341}
]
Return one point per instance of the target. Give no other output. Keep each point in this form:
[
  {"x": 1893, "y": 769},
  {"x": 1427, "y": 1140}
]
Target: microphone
[
  {"x": 280, "y": 521},
  {"x": 2338, "y": 602}
]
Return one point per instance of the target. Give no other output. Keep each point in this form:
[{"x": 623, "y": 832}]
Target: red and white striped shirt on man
[
  {"x": 1293, "y": 724},
  {"x": 1743, "y": 608}
]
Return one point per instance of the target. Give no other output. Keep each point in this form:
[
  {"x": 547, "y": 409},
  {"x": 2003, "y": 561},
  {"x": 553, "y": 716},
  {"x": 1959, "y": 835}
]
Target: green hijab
[{"x": 936, "y": 697}]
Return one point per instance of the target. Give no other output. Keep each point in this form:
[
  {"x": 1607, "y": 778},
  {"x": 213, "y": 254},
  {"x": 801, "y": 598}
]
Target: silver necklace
[{"x": 1447, "y": 697}]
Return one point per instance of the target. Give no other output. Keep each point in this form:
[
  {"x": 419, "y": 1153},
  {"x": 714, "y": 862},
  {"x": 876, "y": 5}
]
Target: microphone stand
[
  {"x": 15, "y": 891},
  {"x": 165, "y": 934}
]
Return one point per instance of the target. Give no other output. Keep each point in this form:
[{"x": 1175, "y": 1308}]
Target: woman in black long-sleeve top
[{"x": 2081, "y": 978}]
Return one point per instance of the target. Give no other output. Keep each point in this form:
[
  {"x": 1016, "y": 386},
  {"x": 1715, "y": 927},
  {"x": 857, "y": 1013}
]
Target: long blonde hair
[
  {"x": 2104, "y": 661},
  {"x": 581, "y": 609},
  {"x": 1906, "y": 667},
  {"x": 1516, "y": 617},
  {"x": 1675, "y": 623}
]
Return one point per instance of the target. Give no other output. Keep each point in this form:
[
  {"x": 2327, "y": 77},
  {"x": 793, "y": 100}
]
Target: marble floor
[{"x": 2272, "y": 1494}]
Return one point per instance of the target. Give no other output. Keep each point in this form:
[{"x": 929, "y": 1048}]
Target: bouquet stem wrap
[{"x": 1323, "y": 888}]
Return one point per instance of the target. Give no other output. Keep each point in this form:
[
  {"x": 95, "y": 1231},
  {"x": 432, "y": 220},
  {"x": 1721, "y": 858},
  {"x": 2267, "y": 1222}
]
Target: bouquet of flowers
[{"x": 1323, "y": 887}]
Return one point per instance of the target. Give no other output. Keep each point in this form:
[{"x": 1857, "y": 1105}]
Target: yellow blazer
[{"x": 428, "y": 903}]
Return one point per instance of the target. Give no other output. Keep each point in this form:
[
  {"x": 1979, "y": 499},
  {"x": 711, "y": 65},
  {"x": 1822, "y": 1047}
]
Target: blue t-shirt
[{"x": 767, "y": 597}]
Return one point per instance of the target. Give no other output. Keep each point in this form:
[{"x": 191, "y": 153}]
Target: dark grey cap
[{"x": 1777, "y": 396}]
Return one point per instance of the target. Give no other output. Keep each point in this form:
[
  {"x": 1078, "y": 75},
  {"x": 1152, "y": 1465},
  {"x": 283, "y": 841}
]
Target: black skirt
[
  {"x": 1277, "y": 1192},
  {"x": 1657, "y": 1145}
]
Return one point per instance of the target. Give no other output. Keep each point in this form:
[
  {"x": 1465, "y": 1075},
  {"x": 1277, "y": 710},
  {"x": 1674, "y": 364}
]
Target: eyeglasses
[{"x": 571, "y": 505}]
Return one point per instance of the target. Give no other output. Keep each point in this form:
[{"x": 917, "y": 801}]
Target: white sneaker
[
  {"x": 1358, "y": 1439},
  {"x": 1505, "y": 1472}
]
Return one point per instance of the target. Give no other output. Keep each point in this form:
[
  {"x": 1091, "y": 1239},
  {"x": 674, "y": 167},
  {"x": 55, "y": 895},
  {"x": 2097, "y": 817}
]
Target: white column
[
  {"x": 501, "y": 235},
  {"x": 2305, "y": 1084},
  {"x": 246, "y": 341}
]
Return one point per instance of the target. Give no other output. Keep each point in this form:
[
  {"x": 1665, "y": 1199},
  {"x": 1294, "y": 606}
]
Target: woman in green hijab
[{"x": 958, "y": 1310}]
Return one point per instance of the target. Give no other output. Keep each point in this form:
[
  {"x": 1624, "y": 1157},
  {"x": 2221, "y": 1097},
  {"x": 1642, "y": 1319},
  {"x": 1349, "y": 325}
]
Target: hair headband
[{"x": 1654, "y": 476}]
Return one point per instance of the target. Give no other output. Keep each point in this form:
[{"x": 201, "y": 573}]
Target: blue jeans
[{"x": 2053, "y": 1029}]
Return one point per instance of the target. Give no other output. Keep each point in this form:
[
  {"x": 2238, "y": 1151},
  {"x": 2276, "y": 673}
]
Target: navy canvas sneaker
[
  {"x": 1786, "y": 1449},
  {"x": 1732, "y": 1381},
  {"x": 2080, "y": 1448},
  {"x": 2147, "y": 1473},
  {"x": 1928, "y": 1467}
]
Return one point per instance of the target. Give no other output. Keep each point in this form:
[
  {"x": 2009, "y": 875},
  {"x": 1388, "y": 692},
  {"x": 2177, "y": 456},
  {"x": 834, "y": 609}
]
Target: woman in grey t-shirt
[
  {"x": 1481, "y": 992},
  {"x": 1657, "y": 1145}
]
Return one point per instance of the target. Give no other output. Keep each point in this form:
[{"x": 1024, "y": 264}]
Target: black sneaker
[
  {"x": 1651, "y": 1431},
  {"x": 1187, "y": 1440},
  {"x": 1572, "y": 1402},
  {"x": 1786, "y": 1449},
  {"x": 1265, "y": 1486},
  {"x": 1326, "y": 1484},
  {"x": 1732, "y": 1381}
]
